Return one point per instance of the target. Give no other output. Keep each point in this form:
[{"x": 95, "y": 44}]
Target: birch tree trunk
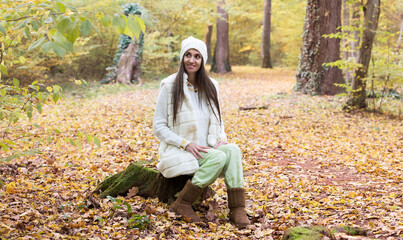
[
  {"x": 266, "y": 59},
  {"x": 357, "y": 97}
]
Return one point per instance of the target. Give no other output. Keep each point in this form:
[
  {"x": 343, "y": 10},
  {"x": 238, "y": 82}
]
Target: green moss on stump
[
  {"x": 352, "y": 231},
  {"x": 150, "y": 183},
  {"x": 307, "y": 233}
]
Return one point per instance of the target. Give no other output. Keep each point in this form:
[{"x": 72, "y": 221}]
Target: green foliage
[
  {"x": 139, "y": 221},
  {"x": 131, "y": 11},
  {"x": 386, "y": 73},
  {"x": 246, "y": 31},
  {"x": 52, "y": 27},
  {"x": 54, "y": 24},
  {"x": 18, "y": 103},
  {"x": 159, "y": 56},
  {"x": 39, "y": 29},
  {"x": 306, "y": 233},
  {"x": 176, "y": 19},
  {"x": 354, "y": 231},
  {"x": 167, "y": 24},
  {"x": 385, "y": 76},
  {"x": 133, "y": 220}
]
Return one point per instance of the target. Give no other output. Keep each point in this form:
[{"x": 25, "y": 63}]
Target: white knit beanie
[{"x": 194, "y": 43}]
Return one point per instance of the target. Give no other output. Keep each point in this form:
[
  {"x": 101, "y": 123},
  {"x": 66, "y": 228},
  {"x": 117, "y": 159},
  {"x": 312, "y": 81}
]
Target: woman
[{"x": 188, "y": 123}]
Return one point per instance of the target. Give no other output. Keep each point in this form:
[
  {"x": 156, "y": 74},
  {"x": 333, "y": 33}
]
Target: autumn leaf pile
[{"x": 306, "y": 162}]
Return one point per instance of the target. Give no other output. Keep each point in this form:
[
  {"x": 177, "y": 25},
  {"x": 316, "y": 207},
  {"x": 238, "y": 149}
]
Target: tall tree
[
  {"x": 399, "y": 39},
  {"x": 266, "y": 59},
  {"x": 207, "y": 40},
  {"x": 356, "y": 21},
  {"x": 351, "y": 26},
  {"x": 322, "y": 17},
  {"x": 220, "y": 62},
  {"x": 371, "y": 16},
  {"x": 346, "y": 31}
]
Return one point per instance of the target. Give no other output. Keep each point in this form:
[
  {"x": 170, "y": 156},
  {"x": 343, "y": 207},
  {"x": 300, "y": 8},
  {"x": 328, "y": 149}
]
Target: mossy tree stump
[
  {"x": 150, "y": 183},
  {"x": 321, "y": 232},
  {"x": 307, "y": 233}
]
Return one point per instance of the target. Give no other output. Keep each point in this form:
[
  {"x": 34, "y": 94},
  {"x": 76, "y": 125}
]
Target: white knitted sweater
[{"x": 175, "y": 161}]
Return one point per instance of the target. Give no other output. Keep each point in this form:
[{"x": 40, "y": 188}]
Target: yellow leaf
[
  {"x": 10, "y": 188},
  {"x": 22, "y": 59}
]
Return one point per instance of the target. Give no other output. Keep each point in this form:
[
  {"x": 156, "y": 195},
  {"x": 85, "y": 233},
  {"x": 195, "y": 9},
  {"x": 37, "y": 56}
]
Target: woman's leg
[
  {"x": 226, "y": 160},
  {"x": 233, "y": 177},
  {"x": 233, "y": 170},
  {"x": 210, "y": 168}
]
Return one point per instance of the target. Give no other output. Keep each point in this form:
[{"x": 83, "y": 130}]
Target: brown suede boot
[
  {"x": 236, "y": 204},
  {"x": 183, "y": 204}
]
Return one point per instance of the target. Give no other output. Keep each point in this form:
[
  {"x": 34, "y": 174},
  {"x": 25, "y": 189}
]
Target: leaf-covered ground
[{"x": 306, "y": 162}]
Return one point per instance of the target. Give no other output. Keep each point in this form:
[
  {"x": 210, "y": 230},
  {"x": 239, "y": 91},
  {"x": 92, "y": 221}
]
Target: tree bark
[
  {"x": 207, "y": 40},
  {"x": 220, "y": 62},
  {"x": 129, "y": 66},
  {"x": 266, "y": 59},
  {"x": 150, "y": 183},
  {"x": 356, "y": 24},
  {"x": 346, "y": 32},
  {"x": 357, "y": 96},
  {"x": 399, "y": 39},
  {"x": 322, "y": 17}
]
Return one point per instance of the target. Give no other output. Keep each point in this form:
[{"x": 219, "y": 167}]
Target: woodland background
[
  {"x": 169, "y": 22},
  {"x": 308, "y": 160}
]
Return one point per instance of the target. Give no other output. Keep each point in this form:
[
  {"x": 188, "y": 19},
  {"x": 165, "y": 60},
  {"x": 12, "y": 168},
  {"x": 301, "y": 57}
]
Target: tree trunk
[
  {"x": 371, "y": 16},
  {"x": 150, "y": 183},
  {"x": 399, "y": 39},
  {"x": 322, "y": 17},
  {"x": 129, "y": 65},
  {"x": 207, "y": 40},
  {"x": 356, "y": 24},
  {"x": 266, "y": 59},
  {"x": 220, "y": 62},
  {"x": 345, "y": 42},
  {"x": 171, "y": 45}
]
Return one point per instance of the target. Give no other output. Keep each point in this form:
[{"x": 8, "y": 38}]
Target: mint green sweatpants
[{"x": 226, "y": 160}]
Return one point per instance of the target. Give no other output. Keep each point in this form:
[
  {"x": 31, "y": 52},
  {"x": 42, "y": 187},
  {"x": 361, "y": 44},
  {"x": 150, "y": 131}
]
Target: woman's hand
[
  {"x": 195, "y": 149},
  {"x": 219, "y": 143}
]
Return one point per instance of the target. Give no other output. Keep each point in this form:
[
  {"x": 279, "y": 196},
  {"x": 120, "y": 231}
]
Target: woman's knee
[
  {"x": 231, "y": 147},
  {"x": 219, "y": 158},
  {"x": 234, "y": 147}
]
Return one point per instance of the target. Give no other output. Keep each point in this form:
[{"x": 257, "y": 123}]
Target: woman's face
[{"x": 192, "y": 60}]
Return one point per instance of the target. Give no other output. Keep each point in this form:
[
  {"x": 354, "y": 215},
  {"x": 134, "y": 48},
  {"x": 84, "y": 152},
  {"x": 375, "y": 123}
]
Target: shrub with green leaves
[
  {"x": 45, "y": 26},
  {"x": 133, "y": 220},
  {"x": 19, "y": 103}
]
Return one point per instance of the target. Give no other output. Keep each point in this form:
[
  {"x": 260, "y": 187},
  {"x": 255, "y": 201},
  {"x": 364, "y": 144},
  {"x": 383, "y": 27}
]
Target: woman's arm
[{"x": 160, "y": 123}]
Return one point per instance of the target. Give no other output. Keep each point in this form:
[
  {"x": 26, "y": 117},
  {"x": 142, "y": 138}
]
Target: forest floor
[{"x": 306, "y": 162}]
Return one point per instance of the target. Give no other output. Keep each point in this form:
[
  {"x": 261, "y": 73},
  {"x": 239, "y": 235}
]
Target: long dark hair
[{"x": 205, "y": 88}]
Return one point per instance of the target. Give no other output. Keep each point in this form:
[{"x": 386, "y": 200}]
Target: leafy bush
[{"x": 48, "y": 26}]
